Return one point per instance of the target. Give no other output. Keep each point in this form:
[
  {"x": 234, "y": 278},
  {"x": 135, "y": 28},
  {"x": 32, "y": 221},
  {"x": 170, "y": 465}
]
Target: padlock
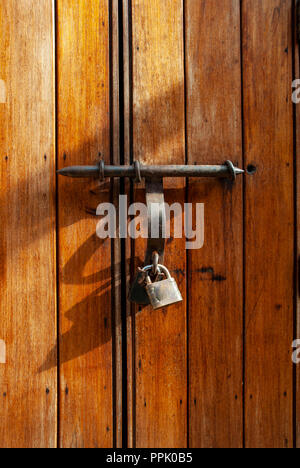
[
  {"x": 162, "y": 293},
  {"x": 137, "y": 293}
]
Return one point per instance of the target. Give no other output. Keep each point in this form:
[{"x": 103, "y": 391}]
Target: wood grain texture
[
  {"x": 216, "y": 271},
  {"x": 127, "y": 143},
  {"x": 28, "y": 393},
  {"x": 297, "y": 154},
  {"x": 117, "y": 256},
  {"x": 158, "y": 346},
  {"x": 86, "y": 378},
  {"x": 267, "y": 46}
]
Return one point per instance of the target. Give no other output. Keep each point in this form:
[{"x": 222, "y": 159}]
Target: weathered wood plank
[
  {"x": 267, "y": 50},
  {"x": 28, "y": 392},
  {"x": 216, "y": 271},
  {"x": 157, "y": 340},
  {"x": 86, "y": 377}
]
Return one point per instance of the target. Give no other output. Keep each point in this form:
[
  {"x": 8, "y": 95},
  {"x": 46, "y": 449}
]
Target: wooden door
[{"x": 161, "y": 82}]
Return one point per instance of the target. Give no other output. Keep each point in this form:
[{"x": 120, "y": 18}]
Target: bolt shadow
[
  {"x": 87, "y": 317},
  {"x": 90, "y": 314},
  {"x": 78, "y": 200}
]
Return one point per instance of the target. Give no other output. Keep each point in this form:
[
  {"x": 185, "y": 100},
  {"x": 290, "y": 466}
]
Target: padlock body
[
  {"x": 163, "y": 293},
  {"x": 138, "y": 293}
]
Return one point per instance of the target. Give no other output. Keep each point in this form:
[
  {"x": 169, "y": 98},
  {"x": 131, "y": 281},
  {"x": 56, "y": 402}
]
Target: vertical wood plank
[
  {"x": 85, "y": 270},
  {"x": 127, "y": 128},
  {"x": 297, "y": 154},
  {"x": 216, "y": 271},
  {"x": 158, "y": 346},
  {"x": 116, "y": 254},
  {"x": 267, "y": 47},
  {"x": 28, "y": 393}
]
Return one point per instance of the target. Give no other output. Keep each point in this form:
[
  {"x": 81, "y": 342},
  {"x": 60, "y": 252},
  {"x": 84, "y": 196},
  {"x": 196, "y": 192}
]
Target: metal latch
[
  {"x": 138, "y": 171},
  {"x": 151, "y": 283}
]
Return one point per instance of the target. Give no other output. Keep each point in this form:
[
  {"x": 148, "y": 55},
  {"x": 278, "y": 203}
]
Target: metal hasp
[
  {"x": 156, "y": 222},
  {"x": 152, "y": 288},
  {"x": 138, "y": 171},
  {"x": 155, "y": 243}
]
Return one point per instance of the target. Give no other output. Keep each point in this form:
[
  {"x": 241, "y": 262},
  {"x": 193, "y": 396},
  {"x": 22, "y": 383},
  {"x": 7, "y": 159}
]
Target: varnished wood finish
[
  {"x": 297, "y": 286},
  {"x": 127, "y": 126},
  {"x": 28, "y": 392},
  {"x": 269, "y": 222},
  {"x": 216, "y": 271},
  {"x": 86, "y": 363},
  {"x": 159, "y": 407},
  {"x": 185, "y": 65},
  {"x": 116, "y": 254}
]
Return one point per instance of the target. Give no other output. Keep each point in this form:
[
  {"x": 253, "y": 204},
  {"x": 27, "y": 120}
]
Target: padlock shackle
[{"x": 161, "y": 268}]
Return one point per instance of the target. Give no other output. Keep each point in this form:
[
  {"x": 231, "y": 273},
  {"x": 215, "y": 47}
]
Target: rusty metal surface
[
  {"x": 162, "y": 293},
  {"x": 138, "y": 171},
  {"x": 156, "y": 220}
]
